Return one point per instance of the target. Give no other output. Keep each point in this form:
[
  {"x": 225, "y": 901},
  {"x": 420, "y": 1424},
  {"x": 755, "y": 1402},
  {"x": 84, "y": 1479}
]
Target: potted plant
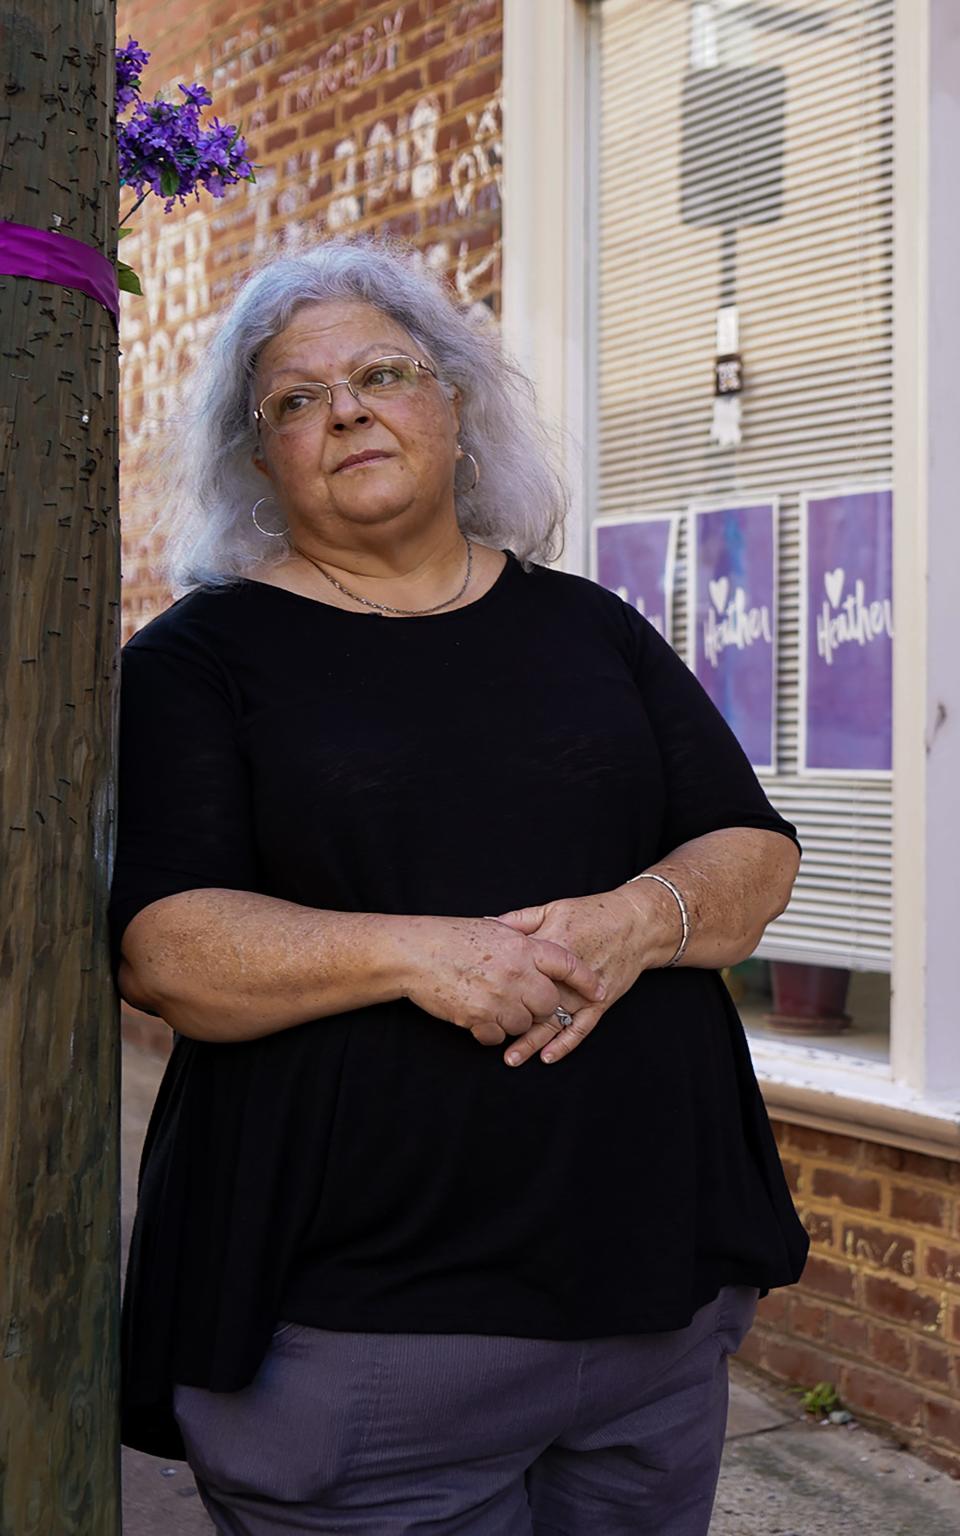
[{"x": 809, "y": 999}]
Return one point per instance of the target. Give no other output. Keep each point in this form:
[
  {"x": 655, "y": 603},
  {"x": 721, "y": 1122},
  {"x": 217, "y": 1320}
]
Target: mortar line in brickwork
[
  {"x": 841, "y": 1353},
  {"x": 430, "y": 235},
  {"x": 457, "y": 228},
  {"x": 278, "y": 66},
  {"x": 371, "y": 14},
  {"x": 443, "y": 162},
  {"x": 240, "y": 23},
  {"x": 449, "y": 116},
  {"x": 361, "y": 124},
  {"x": 447, "y": 154},
  {"x": 867, "y": 1153}
]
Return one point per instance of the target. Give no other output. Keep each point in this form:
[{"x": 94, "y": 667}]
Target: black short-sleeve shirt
[{"x": 379, "y": 1170}]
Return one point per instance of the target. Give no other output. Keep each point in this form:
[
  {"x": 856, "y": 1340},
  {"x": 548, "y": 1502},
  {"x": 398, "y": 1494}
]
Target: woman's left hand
[{"x": 607, "y": 933}]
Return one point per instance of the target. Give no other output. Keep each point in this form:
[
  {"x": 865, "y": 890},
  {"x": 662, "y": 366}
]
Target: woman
[{"x": 459, "y": 1188}]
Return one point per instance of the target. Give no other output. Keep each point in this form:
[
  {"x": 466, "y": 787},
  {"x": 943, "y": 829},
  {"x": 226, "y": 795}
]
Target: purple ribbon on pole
[{"x": 55, "y": 258}]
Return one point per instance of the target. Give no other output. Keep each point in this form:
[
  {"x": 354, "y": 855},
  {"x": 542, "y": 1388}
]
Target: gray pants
[{"x": 466, "y": 1435}]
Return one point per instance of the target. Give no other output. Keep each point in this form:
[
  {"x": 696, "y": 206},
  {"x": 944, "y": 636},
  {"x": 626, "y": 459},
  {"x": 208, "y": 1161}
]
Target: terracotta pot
[{"x": 809, "y": 999}]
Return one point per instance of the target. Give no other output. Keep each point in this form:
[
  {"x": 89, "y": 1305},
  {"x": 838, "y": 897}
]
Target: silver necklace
[{"x": 368, "y": 602}]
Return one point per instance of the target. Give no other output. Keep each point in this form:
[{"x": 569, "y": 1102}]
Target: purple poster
[
  {"x": 732, "y": 618},
  {"x": 847, "y": 632},
  {"x": 635, "y": 556}
]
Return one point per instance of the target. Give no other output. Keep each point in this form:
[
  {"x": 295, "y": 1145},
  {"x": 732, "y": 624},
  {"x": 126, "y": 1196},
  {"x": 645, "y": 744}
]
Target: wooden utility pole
[{"x": 59, "y": 627}]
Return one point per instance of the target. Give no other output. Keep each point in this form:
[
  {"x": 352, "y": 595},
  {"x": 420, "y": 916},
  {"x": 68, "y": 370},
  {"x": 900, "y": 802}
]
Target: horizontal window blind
[{"x": 745, "y": 156}]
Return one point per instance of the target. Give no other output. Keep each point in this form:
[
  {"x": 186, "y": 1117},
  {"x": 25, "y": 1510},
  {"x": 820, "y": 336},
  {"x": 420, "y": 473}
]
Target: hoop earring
[
  {"x": 269, "y": 532},
  {"x": 476, "y": 470}
]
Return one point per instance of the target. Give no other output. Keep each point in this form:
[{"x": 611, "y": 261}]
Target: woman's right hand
[{"x": 485, "y": 977}]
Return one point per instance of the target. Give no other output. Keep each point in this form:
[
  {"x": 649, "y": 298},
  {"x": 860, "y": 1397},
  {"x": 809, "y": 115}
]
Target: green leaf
[
  {"x": 169, "y": 183},
  {"x": 821, "y": 1400},
  {"x": 127, "y": 279},
  {"x": 122, "y": 232}
]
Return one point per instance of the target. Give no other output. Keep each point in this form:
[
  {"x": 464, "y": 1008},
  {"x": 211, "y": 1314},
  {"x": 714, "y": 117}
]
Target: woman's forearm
[
  {"x": 234, "y": 965},
  {"x": 734, "y": 883},
  {"x": 226, "y": 965}
]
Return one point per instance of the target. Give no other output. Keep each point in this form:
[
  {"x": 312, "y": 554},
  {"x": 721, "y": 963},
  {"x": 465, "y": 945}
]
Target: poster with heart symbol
[
  {"x": 846, "y": 632},
  {"x": 635, "y": 557},
  {"x": 732, "y": 617}
]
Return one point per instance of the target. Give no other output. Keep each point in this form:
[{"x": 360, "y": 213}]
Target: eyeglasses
[{"x": 306, "y": 405}]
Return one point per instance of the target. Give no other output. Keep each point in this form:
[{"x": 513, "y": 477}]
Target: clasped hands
[{"x": 505, "y": 976}]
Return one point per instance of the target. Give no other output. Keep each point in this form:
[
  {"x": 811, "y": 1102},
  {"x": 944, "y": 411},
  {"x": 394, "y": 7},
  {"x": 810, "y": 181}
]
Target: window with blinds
[{"x": 745, "y": 158}]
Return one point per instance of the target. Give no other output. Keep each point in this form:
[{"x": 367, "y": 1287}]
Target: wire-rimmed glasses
[{"x": 304, "y": 405}]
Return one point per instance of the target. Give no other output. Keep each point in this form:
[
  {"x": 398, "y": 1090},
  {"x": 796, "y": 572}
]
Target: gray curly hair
[{"x": 520, "y": 500}]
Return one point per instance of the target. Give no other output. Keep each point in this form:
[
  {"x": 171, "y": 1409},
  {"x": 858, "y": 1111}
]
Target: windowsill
[
  {"x": 851, "y": 1095},
  {"x": 860, "y": 1045}
]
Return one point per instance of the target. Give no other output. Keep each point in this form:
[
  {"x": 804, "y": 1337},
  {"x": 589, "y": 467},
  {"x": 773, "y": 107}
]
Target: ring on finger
[{"x": 564, "y": 1018}]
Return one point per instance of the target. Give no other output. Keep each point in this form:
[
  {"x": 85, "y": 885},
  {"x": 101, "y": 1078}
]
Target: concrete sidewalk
[{"x": 782, "y": 1475}]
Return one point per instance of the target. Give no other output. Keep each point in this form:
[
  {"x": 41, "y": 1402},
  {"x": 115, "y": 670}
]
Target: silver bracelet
[{"x": 684, "y": 914}]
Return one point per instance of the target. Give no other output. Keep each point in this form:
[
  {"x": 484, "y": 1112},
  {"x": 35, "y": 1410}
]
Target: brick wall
[
  {"x": 360, "y": 116},
  {"x": 878, "y": 1309}
]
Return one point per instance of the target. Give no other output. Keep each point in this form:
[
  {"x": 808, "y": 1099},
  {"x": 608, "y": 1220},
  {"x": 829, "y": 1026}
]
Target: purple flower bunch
[
  {"x": 130, "y": 61},
  {"x": 164, "y": 148}
]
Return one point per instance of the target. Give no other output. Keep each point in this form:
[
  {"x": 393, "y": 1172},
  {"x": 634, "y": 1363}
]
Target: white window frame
[{"x": 549, "y": 285}]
